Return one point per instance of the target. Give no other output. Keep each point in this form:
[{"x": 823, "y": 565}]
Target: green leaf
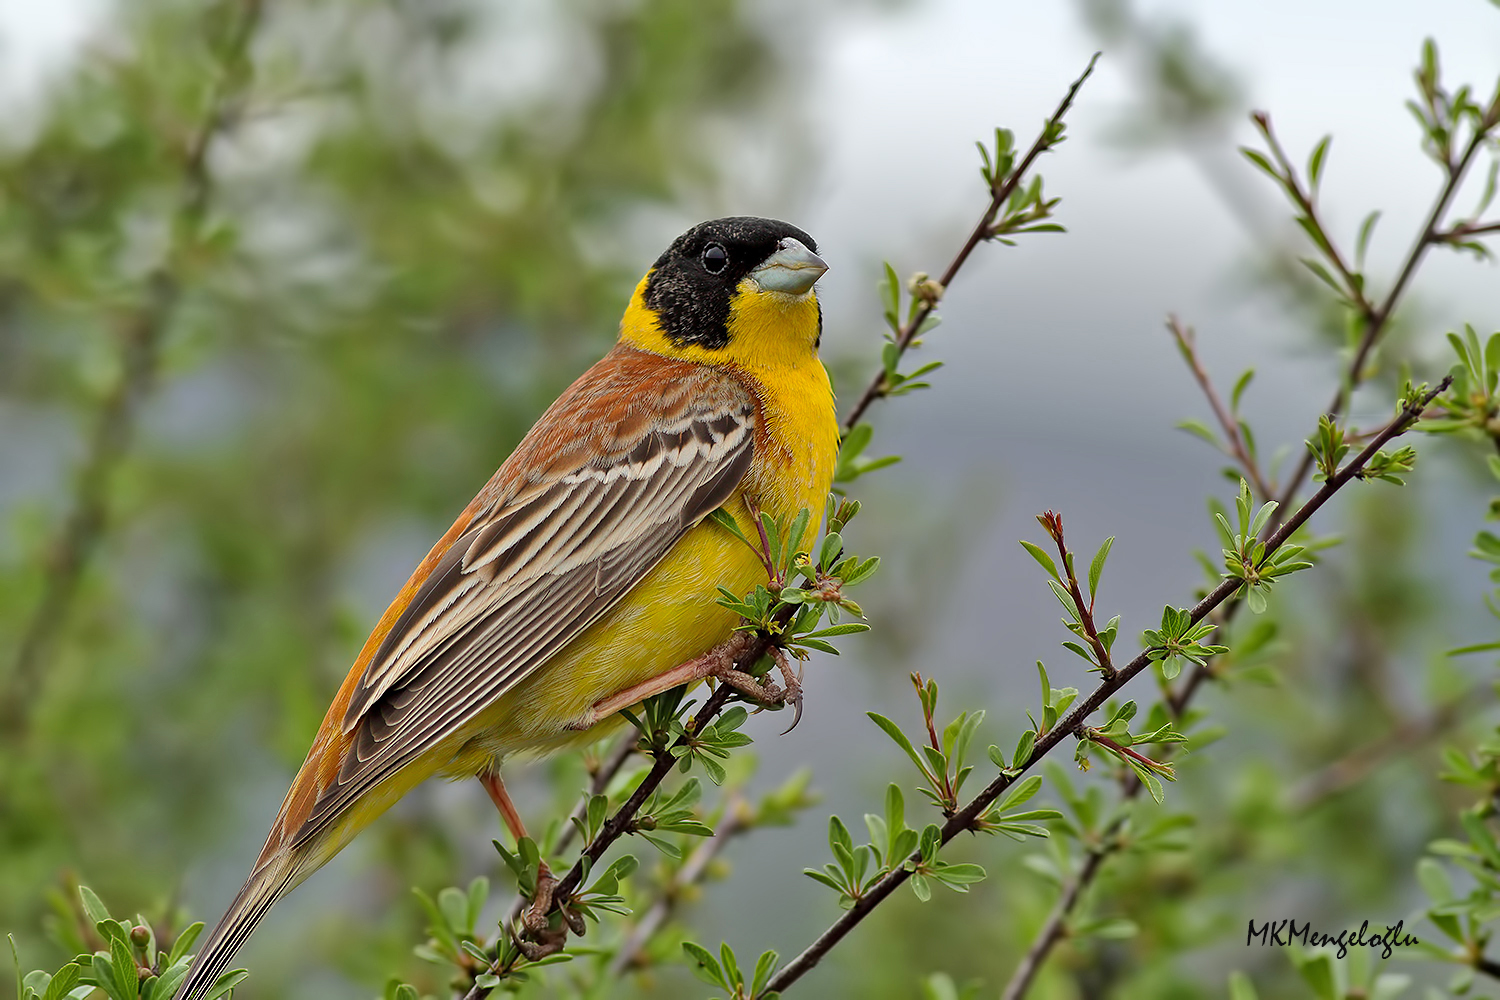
[
  {"x": 1110, "y": 928},
  {"x": 92, "y": 905},
  {"x": 890, "y": 291},
  {"x": 1096, "y": 568},
  {"x": 1019, "y": 793},
  {"x": 1042, "y": 558},
  {"x": 126, "y": 981},
  {"x": 1199, "y": 429},
  {"x": 1023, "y": 748},
  {"x": 1239, "y": 390},
  {"x": 1362, "y": 242},
  {"x": 704, "y": 965},
  {"x": 764, "y": 967},
  {"x": 64, "y": 981},
  {"x": 716, "y": 772},
  {"x": 225, "y": 983},
  {"x": 1434, "y": 881},
  {"x": 732, "y": 975},
  {"x": 847, "y": 628},
  {"x": 894, "y": 732},
  {"x": 1315, "y": 161},
  {"x": 15, "y": 959},
  {"x": 1260, "y": 161},
  {"x": 726, "y": 520},
  {"x": 1317, "y": 972},
  {"x": 1482, "y": 647},
  {"x": 959, "y": 876},
  {"x": 184, "y": 942}
]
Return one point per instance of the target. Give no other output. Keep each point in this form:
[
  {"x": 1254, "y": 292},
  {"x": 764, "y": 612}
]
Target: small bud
[
  {"x": 140, "y": 936},
  {"x": 925, "y": 288}
]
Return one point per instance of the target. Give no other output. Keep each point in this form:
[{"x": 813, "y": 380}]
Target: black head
[{"x": 693, "y": 282}]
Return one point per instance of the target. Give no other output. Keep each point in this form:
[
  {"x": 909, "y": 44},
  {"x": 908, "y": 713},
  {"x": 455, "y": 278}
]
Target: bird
[{"x": 582, "y": 578}]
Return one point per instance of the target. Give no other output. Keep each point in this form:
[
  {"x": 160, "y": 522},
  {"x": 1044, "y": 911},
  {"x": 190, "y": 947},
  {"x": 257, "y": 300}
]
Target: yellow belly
[{"x": 668, "y": 618}]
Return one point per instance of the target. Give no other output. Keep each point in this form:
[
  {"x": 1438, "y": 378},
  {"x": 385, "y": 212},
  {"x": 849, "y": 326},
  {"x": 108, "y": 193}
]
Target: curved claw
[
  {"x": 796, "y": 699},
  {"x": 793, "y": 687}
]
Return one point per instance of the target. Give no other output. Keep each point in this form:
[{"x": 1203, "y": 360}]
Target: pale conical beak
[{"x": 793, "y": 269}]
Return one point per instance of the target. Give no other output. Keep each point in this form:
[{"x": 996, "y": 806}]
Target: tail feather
[{"x": 261, "y": 890}]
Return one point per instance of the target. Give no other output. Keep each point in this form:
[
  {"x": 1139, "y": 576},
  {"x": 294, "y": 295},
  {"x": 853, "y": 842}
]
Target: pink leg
[
  {"x": 718, "y": 662},
  {"x": 498, "y": 795},
  {"x": 535, "y": 916}
]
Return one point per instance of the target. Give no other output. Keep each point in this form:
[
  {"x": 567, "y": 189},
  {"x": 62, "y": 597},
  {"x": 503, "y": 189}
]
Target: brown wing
[{"x": 608, "y": 480}]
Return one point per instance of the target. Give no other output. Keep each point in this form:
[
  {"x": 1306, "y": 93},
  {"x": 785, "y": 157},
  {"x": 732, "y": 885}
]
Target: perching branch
[
  {"x": 965, "y": 818},
  {"x": 598, "y": 782},
  {"x": 114, "y": 428}
]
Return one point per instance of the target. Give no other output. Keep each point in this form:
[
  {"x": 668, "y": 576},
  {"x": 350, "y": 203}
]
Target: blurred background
[{"x": 253, "y": 361}]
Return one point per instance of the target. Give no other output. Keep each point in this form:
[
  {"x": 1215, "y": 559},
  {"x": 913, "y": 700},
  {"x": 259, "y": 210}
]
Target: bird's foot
[
  {"x": 535, "y": 918},
  {"x": 538, "y": 945},
  {"x": 765, "y": 693}
]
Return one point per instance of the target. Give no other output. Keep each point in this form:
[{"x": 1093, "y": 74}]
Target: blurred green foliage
[{"x": 318, "y": 264}]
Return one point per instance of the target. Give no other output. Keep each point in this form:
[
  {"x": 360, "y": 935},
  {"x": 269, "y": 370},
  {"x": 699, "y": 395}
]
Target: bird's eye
[{"x": 715, "y": 258}]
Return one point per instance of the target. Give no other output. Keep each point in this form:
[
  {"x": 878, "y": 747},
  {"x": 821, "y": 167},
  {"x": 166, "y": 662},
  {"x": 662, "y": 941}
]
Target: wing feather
[{"x": 536, "y": 567}]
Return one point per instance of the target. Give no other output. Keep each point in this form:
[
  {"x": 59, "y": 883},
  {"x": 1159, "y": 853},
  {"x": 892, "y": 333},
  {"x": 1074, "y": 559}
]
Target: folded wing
[{"x": 600, "y": 504}]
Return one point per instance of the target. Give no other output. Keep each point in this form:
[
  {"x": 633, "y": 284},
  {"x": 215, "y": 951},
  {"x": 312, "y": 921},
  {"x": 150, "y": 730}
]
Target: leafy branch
[
  {"x": 1239, "y": 440},
  {"x": 966, "y": 817},
  {"x": 1455, "y": 130},
  {"x": 1004, "y": 177},
  {"x": 1064, "y": 584}
]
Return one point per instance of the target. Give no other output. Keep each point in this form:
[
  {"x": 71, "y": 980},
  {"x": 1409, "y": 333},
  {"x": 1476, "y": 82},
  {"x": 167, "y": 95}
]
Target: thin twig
[
  {"x": 1306, "y": 199},
  {"x": 966, "y": 818},
  {"x": 608, "y": 768},
  {"x": 691, "y": 872},
  {"x": 1467, "y": 230},
  {"x": 118, "y": 415},
  {"x": 1231, "y": 427},
  {"x": 1377, "y": 318},
  {"x": 1109, "y": 844},
  {"x": 1331, "y": 780},
  {"x": 999, "y": 194},
  {"x": 1054, "y": 929},
  {"x": 1054, "y": 525}
]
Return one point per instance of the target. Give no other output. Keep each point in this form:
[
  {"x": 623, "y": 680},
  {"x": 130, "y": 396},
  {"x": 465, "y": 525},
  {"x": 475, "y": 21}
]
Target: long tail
[{"x": 268, "y": 883}]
